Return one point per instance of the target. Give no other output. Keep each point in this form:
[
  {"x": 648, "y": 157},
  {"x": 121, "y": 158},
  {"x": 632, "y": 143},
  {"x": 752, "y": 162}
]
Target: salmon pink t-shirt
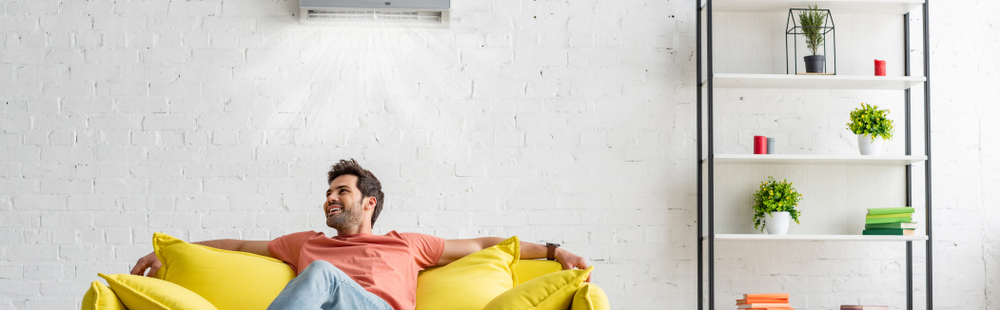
[{"x": 386, "y": 266}]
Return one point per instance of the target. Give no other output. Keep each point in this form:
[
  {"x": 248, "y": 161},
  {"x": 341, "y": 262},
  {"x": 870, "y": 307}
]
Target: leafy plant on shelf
[
  {"x": 812, "y": 22},
  {"x": 869, "y": 120},
  {"x": 774, "y": 196}
]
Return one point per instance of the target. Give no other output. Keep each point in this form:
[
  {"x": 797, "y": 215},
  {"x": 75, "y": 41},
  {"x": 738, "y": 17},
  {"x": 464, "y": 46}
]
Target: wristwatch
[{"x": 551, "y": 255}]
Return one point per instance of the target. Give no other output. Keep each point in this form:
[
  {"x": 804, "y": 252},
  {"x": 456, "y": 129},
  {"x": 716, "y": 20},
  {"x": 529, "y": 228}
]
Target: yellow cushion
[
  {"x": 550, "y": 292},
  {"x": 590, "y": 297},
  {"x": 144, "y": 293},
  {"x": 470, "y": 282},
  {"x": 230, "y": 280},
  {"x": 529, "y": 269},
  {"x": 101, "y": 297}
]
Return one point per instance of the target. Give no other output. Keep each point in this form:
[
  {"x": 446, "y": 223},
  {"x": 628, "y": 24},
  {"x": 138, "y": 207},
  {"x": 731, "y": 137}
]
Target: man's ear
[{"x": 370, "y": 203}]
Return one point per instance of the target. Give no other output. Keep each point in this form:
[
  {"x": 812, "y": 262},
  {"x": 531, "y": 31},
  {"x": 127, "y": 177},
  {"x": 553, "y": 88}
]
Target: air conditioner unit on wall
[{"x": 427, "y": 13}]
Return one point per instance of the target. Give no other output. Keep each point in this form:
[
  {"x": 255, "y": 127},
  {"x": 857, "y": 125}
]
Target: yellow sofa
[{"x": 195, "y": 277}]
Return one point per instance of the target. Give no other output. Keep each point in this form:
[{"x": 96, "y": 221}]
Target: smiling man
[{"x": 356, "y": 269}]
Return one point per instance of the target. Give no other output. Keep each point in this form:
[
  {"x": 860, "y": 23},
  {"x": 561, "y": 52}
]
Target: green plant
[
  {"x": 869, "y": 120},
  {"x": 774, "y": 196},
  {"x": 812, "y": 22}
]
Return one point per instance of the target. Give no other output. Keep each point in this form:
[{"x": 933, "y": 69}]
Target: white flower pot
[
  {"x": 869, "y": 147},
  {"x": 777, "y": 222}
]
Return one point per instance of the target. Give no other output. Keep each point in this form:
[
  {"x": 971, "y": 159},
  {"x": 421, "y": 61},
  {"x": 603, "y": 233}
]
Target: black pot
[{"x": 815, "y": 63}]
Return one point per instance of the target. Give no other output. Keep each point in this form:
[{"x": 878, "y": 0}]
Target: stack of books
[
  {"x": 890, "y": 221},
  {"x": 858, "y": 307},
  {"x": 776, "y": 301}
]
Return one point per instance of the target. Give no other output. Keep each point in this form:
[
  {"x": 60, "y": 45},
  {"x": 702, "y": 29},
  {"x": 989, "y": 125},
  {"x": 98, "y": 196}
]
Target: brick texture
[{"x": 554, "y": 121}]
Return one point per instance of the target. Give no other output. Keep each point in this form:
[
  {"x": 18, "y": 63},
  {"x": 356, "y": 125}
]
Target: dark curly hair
[{"x": 368, "y": 184}]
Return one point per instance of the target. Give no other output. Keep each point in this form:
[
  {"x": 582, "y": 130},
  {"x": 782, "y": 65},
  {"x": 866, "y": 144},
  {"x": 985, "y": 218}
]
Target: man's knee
[
  {"x": 324, "y": 268},
  {"x": 320, "y": 264}
]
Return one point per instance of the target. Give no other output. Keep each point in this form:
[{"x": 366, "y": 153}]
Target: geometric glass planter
[{"x": 793, "y": 30}]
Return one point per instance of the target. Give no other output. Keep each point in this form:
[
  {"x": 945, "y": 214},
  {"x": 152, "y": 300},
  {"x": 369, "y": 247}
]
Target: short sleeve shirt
[{"x": 386, "y": 266}]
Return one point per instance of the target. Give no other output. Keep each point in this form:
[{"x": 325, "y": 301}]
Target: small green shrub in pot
[
  {"x": 869, "y": 120},
  {"x": 774, "y": 196},
  {"x": 812, "y": 22}
]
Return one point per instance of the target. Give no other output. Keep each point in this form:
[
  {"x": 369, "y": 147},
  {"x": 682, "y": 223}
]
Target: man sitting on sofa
[{"x": 356, "y": 269}]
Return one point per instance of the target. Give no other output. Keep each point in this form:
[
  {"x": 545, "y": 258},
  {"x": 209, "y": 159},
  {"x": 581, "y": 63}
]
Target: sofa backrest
[{"x": 527, "y": 269}]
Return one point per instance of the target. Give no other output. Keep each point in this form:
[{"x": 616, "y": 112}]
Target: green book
[
  {"x": 885, "y": 216},
  {"x": 877, "y": 211},
  {"x": 888, "y": 232},
  {"x": 889, "y": 220},
  {"x": 903, "y": 225}
]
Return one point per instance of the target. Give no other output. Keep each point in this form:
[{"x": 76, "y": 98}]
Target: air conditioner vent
[
  {"x": 372, "y": 16},
  {"x": 421, "y": 13}
]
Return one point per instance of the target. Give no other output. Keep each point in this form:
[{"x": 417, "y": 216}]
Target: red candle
[
  {"x": 879, "y": 67},
  {"x": 759, "y": 145}
]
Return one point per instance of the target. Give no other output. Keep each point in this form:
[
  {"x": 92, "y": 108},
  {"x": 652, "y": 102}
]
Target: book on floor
[
  {"x": 761, "y": 301},
  {"x": 902, "y": 225},
  {"x": 888, "y": 232},
  {"x": 772, "y": 301},
  {"x": 859, "y": 307},
  {"x": 874, "y": 211},
  {"x": 766, "y": 296},
  {"x": 755, "y": 306}
]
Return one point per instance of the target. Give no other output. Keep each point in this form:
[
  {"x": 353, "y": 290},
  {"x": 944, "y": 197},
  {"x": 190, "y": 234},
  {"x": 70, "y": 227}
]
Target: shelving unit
[
  {"x": 805, "y": 165},
  {"x": 786, "y": 81},
  {"x": 898, "y": 7},
  {"x": 852, "y": 238},
  {"x": 785, "y": 159}
]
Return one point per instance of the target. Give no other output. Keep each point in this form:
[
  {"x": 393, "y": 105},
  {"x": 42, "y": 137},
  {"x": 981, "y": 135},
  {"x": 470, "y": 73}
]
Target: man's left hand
[{"x": 570, "y": 261}]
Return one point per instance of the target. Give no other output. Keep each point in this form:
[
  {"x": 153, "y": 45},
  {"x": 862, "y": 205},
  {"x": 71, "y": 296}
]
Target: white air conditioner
[{"x": 426, "y": 13}]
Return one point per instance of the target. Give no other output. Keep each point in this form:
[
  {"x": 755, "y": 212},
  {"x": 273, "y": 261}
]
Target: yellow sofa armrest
[
  {"x": 590, "y": 297},
  {"x": 101, "y": 297}
]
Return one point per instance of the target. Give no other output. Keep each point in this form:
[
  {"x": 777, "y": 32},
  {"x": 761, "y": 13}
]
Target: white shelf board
[
  {"x": 899, "y": 7},
  {"x": 788, "y": 159},
  {"x": 763, "y": 237},
  {"x": 791, "y": 81}
]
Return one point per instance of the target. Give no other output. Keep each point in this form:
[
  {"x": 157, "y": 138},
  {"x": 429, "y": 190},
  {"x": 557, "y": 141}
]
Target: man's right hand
[
  {"x": 149, "y": 261},
  {"x": 153, "y": 264}
]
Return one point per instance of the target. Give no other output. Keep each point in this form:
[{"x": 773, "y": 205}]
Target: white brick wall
[{"x": 557, "y": 121}]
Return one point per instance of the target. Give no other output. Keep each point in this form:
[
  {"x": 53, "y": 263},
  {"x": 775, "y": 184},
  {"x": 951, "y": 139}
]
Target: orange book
[
  {"x": 772, "y": 305},
  {"x": 760, "y": 300},
  {"x": 766, "y": 296}
]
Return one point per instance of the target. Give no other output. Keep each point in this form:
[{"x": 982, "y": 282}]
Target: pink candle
[
  {"x": 759, "y": 145},
  {"x": 879, "y": 67}
]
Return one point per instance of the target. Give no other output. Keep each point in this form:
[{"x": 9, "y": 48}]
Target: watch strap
[{"x": 551, "y": 253}]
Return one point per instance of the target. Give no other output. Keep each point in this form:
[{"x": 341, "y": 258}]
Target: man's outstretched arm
[
  {"x": 153, "y": 264},
  {"x": 457, "y": 248}
]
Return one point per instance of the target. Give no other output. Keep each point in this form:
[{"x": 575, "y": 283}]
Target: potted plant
[
  {"x": 812, "y": 22},
  {"x": 774, "y": 204},
  {"x": 868, "y": 122}
]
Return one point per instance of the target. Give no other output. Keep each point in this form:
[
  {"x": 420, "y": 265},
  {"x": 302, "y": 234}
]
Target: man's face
[{"x": 344, "y": 205}]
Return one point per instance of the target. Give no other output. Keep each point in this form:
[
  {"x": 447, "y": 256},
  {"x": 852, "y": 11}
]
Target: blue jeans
[{"x": 323, "y": 286}]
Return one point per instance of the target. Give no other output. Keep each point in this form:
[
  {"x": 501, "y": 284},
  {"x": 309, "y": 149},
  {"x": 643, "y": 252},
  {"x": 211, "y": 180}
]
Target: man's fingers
[
  {"x": 582, "y": 264},
  {"x": 566, "y": 266},
  {"x": 576, "y": 264},
  {"x": 152, "y": 270},
  {"x": 138, "y": 269},
  {"x": 135, "y": 271}
]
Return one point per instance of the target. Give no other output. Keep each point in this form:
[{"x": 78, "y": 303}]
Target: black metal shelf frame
[{"x": 710, "y": 165}]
